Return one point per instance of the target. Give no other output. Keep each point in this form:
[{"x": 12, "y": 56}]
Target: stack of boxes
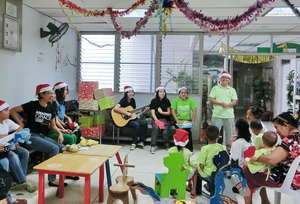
[{"x": 91, "y": 125}]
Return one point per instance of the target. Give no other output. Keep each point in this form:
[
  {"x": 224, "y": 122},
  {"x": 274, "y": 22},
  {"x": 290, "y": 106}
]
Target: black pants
[
  {"x": 140, "y": 127},
  {"x": 211, "y": 185}
]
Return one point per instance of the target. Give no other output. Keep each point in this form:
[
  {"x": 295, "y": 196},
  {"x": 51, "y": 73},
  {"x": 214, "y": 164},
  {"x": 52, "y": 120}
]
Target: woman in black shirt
[
  {"x": 139, "y": 126},
  {"x": 161, "y": 113}
]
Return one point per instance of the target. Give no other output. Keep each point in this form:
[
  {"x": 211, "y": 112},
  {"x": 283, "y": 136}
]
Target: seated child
[
  {"x": 269, "y": 140},
  {"x": 204, "y": 159},
  {"x": 181, "y": 138},
  {"x": 242, "y": 142},
  {"x": 17, "y": 158},
  {"x": 257, "y": 132},
  {"x": 69, "y": 137}
]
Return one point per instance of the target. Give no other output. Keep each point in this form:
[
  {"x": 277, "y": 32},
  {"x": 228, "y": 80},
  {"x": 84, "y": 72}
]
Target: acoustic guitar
[{"x": 121, "y": 120}]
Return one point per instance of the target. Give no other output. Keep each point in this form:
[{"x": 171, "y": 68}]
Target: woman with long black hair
[
  {"x": 161, "y": 114},
  {"x": 139, "y": 126}
]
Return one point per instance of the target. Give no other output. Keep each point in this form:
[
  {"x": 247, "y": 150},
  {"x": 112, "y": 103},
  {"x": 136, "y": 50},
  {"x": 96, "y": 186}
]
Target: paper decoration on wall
[
  {"x": 11, "y": 9},
  {"x": 11, "y": 33}
]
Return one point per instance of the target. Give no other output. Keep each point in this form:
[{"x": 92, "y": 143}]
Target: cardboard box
[
  {"x": 86, "y": 90},
  {"x": 106, "y": 102},
  {"x": 101, "y": 93},
  {"x": 86, "y": 121},
  {"x": 88, "y": 105}
]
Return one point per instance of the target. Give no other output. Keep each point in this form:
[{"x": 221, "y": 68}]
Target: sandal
[
  {"x": 75, "y": 178},
  {"x": 50, "y": 183}
]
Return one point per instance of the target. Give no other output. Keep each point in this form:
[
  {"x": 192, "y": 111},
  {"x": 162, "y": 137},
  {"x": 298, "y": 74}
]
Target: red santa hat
[
  {"x": 59, "y": 85},
  {"x": 182, "y": 88},
  {"x": 3, "y": 105},
  {"x": 128, "y": 88},
  {"x": 225, "y": 74},
  {"x": 42, "y": 88},
  {"x": 160, "y": 88},
  {"x": 181, "y": 137}
]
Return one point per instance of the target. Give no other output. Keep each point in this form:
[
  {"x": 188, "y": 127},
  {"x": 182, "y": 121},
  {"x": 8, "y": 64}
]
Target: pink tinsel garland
[{"x": 216, "y": 25}]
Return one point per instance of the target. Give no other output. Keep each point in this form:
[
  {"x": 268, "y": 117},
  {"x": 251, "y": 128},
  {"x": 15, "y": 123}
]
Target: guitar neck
[{"x": 137, "y": 110}]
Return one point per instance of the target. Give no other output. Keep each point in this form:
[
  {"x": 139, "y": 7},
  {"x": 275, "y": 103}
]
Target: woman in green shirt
[{"x": 184, "y": 111}]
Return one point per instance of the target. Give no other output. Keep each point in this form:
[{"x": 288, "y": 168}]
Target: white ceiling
[
  {"x": 220, "y": 8},
  {"x": 179, "y": 23}
]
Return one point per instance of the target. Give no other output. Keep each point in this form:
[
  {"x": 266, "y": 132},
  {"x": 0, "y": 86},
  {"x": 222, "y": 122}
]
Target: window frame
[{"x": 158, "y": 55}]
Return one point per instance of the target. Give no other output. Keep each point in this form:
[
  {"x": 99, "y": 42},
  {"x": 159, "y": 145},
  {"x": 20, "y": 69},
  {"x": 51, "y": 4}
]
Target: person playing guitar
[{"x": 139, "y": 126}]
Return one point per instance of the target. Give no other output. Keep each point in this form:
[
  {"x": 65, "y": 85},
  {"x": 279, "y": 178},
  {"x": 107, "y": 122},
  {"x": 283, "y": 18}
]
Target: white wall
[
  {"x": 20, "y": 72},
  {"x": 280, "y": 83}
]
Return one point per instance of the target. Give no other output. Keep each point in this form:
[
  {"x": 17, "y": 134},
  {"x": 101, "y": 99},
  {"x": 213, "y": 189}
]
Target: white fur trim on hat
[
  {"x": 182, "y": 88},
  {"x": 60, "y": 85},
  {"x": 225, "y": 74},
  {"x": 181, "y": 144},
  {"x": 4, "y": 106},
  {"x": 48, "y": 88},
  {"x": 160, "y": 88},
  {"x": 128, "y": 89}
]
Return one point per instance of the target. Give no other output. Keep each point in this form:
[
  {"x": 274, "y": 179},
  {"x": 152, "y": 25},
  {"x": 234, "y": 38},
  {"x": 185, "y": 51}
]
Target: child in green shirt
[
  {"x": 269, "y": 140},
  {"x": 181, "y": 138},
  {"x": 204, "y": 160},
  {"x": 256, "y": 132}
]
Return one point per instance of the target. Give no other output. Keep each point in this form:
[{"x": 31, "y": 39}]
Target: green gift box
[
  {"x": 99, "y": 119},
  {"x": 106, "y": 102},
  {"x": 86, "y": 121}
]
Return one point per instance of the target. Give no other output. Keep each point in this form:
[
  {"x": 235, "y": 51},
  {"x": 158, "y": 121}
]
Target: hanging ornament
[{"x": 168, "y": 4}]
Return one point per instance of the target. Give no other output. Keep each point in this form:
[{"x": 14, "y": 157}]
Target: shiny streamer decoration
[
  {"x": 217, "y": 25},
  {"x": 206, "y": 23},
  {"x": 139, "y": 24},
  {"x": 106, "y": 12},
  {"x": 246, "y": 59}
]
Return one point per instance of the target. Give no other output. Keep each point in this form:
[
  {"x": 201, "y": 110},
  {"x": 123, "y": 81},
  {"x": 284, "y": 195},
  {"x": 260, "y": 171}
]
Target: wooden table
[
  {"x": 72, "y": 165},
  {"x": 100, "y": 150},
  {"x": 103, "y": 151}
]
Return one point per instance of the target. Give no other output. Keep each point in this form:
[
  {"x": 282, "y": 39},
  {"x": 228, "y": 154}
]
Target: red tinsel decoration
[
  {"x": 139, "y": 24},
  {"x": 107, "y": 11}
]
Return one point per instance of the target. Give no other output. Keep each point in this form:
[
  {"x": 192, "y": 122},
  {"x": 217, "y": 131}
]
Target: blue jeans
[
  {"x": 18, "y": 163},
  {"x": 41, "y": 143},
  {"x": 4, "y": 163},
  {"x": 140, "y": 127}
]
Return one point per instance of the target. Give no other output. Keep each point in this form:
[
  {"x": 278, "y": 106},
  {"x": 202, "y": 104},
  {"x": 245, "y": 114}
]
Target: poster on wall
[
  {"x": 11, "y": 34},
  {"x": 11, "y": 9}
]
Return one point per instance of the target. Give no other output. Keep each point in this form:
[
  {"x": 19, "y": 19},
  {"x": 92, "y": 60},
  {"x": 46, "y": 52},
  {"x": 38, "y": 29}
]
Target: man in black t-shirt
[
  {"x": 139, "y": 126},
  {"x": 40, "y": 120}
]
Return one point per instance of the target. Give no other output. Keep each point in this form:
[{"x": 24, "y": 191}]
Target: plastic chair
[{"x": 286, "y": 186}]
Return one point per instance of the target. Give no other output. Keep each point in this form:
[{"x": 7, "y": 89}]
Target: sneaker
[
  {"x": 141, "y": 145},
  {"x": 152, "y": 149},
  {"x": 133, "y": 146}
]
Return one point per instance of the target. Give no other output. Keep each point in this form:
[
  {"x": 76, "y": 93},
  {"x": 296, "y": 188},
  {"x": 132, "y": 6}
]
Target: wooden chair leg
[
  {"x": 110, "y": 199},
  {"x": 133, "y": 193},
  {"x": 125, "y": 199}
]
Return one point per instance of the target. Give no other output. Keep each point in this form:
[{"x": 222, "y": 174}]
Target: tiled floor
[{"x": 146, "y": 165}]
